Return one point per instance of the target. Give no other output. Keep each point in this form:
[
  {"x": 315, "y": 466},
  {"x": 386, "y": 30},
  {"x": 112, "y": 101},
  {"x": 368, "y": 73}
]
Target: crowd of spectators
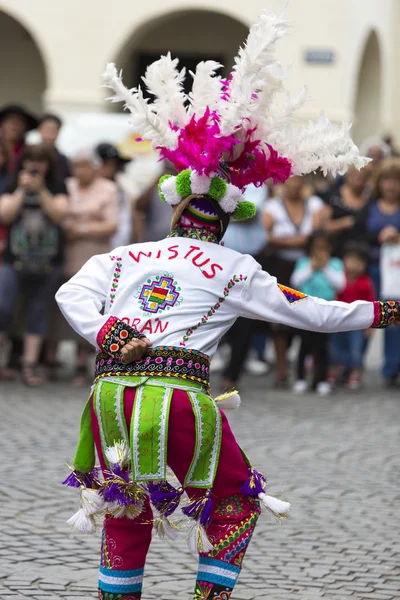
[{"x": 325, "y": 237}]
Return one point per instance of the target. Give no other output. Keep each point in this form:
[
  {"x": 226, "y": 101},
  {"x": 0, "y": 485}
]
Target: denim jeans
[
  {"x": 38, "y": 292},
  {"x": 347, "y": 349},
  {"x": 391, "y": 366}
]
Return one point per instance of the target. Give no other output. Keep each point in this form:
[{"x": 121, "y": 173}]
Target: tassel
[
  {"x": 198, "y": 541},
  {"x": 78, "y": 479},
  {"x": 82, "y": 522},
  {"x": 255, "y": 484},
  {"x": 131, "y": 511},
  {"x": 279, "y": 508},
  {"x": 200, "y": 510},
  {"x": 92, "y": 501},
  {"x": 166, "y": 528},
  {"x": 118, "y": 454},
  {"x": 228, "y": 401},
  {"x": 164, "y": 497}
]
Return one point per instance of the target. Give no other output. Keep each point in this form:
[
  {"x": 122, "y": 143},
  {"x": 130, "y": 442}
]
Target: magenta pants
[{"x": 126, "y": 542}]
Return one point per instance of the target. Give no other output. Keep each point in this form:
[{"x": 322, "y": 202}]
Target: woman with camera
[{"x": 33, "y": 207}]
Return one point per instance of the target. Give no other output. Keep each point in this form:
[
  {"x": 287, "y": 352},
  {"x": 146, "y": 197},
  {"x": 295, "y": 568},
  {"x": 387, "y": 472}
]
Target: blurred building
[{"x": 54, "y": 52}]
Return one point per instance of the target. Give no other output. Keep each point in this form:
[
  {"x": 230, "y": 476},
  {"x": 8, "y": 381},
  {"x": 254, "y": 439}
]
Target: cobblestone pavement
[{"x": 337, "y": 460}]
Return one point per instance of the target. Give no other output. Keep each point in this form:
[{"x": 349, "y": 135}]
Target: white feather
[
  {"x": 252, "y": 73},
  {"x": 319, "y": 144},
  {"x": 279, "y": 508},
  {"x": 118, "y": 454},
  {"x": 91, "y": 501},
  {"x": 82, "y": 522},
  {"x": 165, "y": 82},
  {"x": 164, "y": 528},
  {"x": 143, "y": 118},
  {"x": 228, "y": 401},
  {"x": 206, "y": 88},
  {"x": 198, "y": 540}
]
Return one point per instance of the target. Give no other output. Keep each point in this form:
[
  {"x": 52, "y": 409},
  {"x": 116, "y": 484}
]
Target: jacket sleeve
[
  {"x": 82, "y": 300},
  {"x": 263, "y": 298}
]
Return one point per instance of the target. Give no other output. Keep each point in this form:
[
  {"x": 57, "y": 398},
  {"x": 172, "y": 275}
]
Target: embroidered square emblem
[
  {"x": 291, "y": 295},
  {"x": 160, "y": 294}
]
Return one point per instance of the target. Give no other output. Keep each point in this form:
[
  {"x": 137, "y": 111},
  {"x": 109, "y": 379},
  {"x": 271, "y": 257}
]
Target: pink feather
[{"x": 200, "y": 145}]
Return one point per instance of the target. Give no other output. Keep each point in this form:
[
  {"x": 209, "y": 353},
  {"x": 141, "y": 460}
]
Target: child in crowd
[
  {"x": 348, "y": 349},
  {"x": 317, "y": 274}
]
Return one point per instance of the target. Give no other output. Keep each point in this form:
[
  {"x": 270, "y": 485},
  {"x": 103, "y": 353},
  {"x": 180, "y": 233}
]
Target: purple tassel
[
  {"x": 164, "y": 497},
  {"x": 254, "y": 485},
  {"x": 116, "y": 493},
  {"x": 200, "y": 510},
  {"x": 77, "y": 479}
]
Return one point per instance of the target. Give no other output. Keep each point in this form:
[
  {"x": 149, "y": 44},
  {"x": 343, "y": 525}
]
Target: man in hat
[
  {"x": 112, "y": 165},
  {"x": 15, "y": 122}
]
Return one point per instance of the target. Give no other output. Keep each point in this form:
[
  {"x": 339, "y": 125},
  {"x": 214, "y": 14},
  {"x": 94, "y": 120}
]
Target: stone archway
[
  {"x": 190, "y": 35},
  {"x": 21, "y": 65},
  {"x": 367, "y": 108}
]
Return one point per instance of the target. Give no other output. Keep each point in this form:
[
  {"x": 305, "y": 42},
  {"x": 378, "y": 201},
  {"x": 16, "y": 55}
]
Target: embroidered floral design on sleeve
[
  {"x": 385, "y": 313},
  {"x": 159, "y": 294},
  {"x": 213, "y": 309},
  {"x": 291, "y": 295},
  {"x": 116, "y": 277},
  {"x": 114, "y": 335}
]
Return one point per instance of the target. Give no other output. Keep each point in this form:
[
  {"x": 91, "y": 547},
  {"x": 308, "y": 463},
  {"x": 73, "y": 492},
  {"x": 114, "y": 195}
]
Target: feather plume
[
  {"x": 165, "y": 82},
  {"x": 252, "y": 73},
  {"x": 143, "y": 119},
  {"x": 318, "y": 145},
  {"x": 206, "y": 88}
]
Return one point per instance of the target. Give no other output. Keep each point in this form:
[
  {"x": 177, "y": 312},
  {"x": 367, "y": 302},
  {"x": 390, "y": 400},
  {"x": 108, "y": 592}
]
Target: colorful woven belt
[{"x": 161, "y": 361}]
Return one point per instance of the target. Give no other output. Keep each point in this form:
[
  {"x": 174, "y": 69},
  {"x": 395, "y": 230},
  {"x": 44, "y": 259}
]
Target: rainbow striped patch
[{"x": 291, "y": 295}]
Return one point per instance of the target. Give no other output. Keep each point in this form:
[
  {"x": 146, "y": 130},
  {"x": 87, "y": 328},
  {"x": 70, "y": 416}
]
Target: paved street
[{"x": 337, "y": 460}]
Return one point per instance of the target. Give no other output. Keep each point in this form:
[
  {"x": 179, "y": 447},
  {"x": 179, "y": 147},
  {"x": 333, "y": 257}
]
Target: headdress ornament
[{"x": 225, "y": 135}]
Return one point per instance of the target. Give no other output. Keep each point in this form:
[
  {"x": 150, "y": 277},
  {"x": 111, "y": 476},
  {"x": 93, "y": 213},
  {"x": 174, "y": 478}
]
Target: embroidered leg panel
[
  {"x": 124, "y": 549},
  {"x": 230, "y": 532}
]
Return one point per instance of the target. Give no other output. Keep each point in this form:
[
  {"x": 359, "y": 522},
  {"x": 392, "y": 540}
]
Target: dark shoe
[
  {"x": 30, "y": 377},
  {"x": 282, "y": 383}
]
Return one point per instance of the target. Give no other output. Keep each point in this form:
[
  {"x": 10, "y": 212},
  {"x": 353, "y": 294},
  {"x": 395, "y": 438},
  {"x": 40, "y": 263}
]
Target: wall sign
[{"x": 319, "y": 57}]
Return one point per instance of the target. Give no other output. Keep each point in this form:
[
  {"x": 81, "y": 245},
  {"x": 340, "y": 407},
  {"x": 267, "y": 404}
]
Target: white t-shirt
[{"x": 284, "y": 226}]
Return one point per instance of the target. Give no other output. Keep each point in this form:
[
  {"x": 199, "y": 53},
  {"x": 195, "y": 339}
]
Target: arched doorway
[
  {"x": 21, "y": 66},
  {"x": 191, "y": 36},
  {"x": 367, "y": 109}
]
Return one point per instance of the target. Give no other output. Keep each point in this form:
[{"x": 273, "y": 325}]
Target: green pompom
[
  {"x": 244, "y": 210},
  {"x": 183, "y": 183},
  {"x": 218, "y": 188},
  {"x": 162, "y": 179}
]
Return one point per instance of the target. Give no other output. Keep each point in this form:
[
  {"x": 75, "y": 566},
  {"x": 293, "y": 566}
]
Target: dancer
[{"x": 157, "y": 310}]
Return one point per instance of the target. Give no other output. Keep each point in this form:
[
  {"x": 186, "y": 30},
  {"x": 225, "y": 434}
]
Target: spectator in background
[
  {"x": 4, "y": 178},
  {"x": 383, "y": 216},
  {"x": 33, "y": 207},
  {"x": 91, "y": 221},
  {"x": 320, "y": 275},
  {"x": 112, "y": 164},
  {"x": 247, "y": 237},
  {"x": 289, "y": 221},
  {"x": 152, "y": 219},
  {"x": 15, "y": 122},
  {"x": 49, "y": 130},
  {"x": 347, "y": 348},
  {"x": 345, "y": 214},
  {"x": 383, "y": 226}
]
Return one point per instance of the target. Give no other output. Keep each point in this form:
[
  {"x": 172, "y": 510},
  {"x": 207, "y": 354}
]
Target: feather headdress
[{"x": 226, "y": 135}]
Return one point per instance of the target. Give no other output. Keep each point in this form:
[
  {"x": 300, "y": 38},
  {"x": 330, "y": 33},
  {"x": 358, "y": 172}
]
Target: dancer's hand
[{"x": 135, "y": 350}]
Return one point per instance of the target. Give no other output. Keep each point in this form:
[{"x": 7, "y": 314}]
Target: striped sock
[
  {"x": 115, "y": 584},
  {"x": 215, "y": 578}
]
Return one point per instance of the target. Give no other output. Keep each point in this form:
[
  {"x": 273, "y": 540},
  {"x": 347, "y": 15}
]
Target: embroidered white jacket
[{"x": 187, "y": 293}]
